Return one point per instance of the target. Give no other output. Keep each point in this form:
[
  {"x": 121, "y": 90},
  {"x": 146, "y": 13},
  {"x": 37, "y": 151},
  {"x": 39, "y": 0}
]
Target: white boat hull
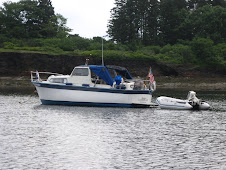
[
  {"x": 172, "y": 103},
  {"x": 178, "y": 104},
  {"x": 75, "y": 95},
  {"x": 204, "y": 106}
]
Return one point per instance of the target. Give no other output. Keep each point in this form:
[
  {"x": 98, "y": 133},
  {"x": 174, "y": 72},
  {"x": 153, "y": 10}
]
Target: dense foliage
[
  {"x": 31, "y": 19},
  {"x": 154, "y": 22},
  {"x": 171, "y": 31}
]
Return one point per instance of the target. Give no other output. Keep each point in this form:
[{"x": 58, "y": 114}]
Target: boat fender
[{"x": 153, "y": 86}]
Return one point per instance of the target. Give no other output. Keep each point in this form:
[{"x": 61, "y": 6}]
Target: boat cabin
[
  {"x": 81, "y": 76},
  {"x": 96, "y": 76}
]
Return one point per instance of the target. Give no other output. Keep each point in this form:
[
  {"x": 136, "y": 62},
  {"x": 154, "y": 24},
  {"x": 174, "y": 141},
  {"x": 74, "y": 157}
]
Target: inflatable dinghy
[{"x": 192, "y": 102}]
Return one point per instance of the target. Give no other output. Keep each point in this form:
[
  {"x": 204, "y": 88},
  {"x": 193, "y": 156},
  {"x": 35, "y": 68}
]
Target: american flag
[{"x": 151, "y": 77}]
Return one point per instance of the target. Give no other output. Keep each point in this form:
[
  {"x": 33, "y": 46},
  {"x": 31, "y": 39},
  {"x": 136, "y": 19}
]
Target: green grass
[{"x": 23, "y": 50}]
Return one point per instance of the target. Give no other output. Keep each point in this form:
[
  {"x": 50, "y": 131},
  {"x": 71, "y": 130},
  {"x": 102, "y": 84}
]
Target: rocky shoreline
[{"x": 15, "y": 71}]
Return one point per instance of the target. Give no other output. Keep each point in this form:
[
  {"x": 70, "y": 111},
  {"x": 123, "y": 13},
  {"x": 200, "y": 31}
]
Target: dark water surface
[{"x": 35, "y": 136}]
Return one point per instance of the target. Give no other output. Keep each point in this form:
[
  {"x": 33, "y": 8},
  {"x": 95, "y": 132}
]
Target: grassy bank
[{"x": 200, "y": 52}]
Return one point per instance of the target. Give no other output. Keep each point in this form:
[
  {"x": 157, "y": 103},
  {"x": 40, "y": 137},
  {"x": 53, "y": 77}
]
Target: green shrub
[
  {"x": 9, "y": 45},
  {"x": 80, "y": 43},
  {"x": 29, "y": 48},
  {"x": 220, "y": 50},
  {"x": 165, "y": 49},
  {"x": 110, "y": 46},
  {"x": 162, "y": 58},
  {"x": 177, "y": 54},
  {"x": 3, "y": 39},
  {"x": 95, "y": 46},
  {"x": 202, "y": 49},
  {"x": 76, "y": 52},
  {"x": 94, "y": 53}
]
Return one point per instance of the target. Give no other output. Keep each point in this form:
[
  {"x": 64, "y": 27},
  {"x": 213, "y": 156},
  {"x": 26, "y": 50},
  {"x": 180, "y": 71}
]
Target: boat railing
[
  {"x": 149, "y": 86},
  {"x": 41, "y": 76}
]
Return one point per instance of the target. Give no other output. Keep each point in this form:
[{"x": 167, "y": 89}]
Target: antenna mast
[{"x": 102, "y": 52}]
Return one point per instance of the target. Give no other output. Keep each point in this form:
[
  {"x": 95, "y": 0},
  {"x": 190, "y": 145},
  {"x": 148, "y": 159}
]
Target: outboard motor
[
  {"x": 192, "y": 97},
  {"x": 193, "y": 100},
  {"x": 196, "y": 103}
]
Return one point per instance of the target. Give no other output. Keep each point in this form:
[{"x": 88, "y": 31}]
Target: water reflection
[
  {"x": 35, "y": 136},
  {"x": 17, "y": 90}
]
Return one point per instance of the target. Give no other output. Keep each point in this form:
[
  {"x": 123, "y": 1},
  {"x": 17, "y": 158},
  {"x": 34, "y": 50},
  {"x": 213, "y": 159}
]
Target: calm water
[{"x": 34, "y": 136}]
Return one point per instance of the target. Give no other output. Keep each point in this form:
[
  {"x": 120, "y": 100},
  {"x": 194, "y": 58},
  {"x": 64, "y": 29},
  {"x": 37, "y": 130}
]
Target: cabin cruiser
[
  {"x": 94, "y": 85},
  {"x": 192, "y": 102}
]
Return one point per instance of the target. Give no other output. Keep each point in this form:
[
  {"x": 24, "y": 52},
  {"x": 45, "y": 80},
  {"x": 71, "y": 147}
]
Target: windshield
[{"x": 80, "y": 72}]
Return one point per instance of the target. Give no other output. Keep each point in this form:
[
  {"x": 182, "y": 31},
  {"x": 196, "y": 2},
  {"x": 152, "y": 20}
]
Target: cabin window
[
  {"x": 80, "y": 72},
  {"x": 58, "y": 80}
]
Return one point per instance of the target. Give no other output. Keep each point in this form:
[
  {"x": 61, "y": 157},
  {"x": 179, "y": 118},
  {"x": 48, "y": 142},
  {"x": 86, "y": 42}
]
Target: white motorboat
[
  {"x": 93, "y": 85},
  {"x": 192, "y": 102}
]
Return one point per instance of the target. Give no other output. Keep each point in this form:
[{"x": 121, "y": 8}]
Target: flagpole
[
  {"x": 148, "y": 73},
  {"x": 147, "y": 76},
  {"x": 102, "y": 52}
]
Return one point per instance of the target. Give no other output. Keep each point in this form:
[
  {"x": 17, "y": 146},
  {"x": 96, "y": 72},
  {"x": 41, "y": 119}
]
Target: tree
[
  {"x": 47, "y": 19},
  {"x": 11, "y": 24},
  {"x": 118, "y": 25},
  {"x": 205, "y": 22},
  {"x": 203, "y": 49},
  {"x": 195, "y": 4},
  {"x": 31, "y": 19},
  {"x": 154, "y": 22},
  {"x": 29, "y": 15},
  {"x": 62, "y": 29},
  {"x": 221, "y": 3},
  {"x": 173, "y": 13},
  {"x": 134, "y": 21},
  {"x": 148, "y": 19}
]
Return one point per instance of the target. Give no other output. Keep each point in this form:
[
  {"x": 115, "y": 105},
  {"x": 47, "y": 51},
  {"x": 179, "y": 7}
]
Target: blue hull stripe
[
  {"x": 51, "y": 102},
  {"x": 93, "y": 89}
]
